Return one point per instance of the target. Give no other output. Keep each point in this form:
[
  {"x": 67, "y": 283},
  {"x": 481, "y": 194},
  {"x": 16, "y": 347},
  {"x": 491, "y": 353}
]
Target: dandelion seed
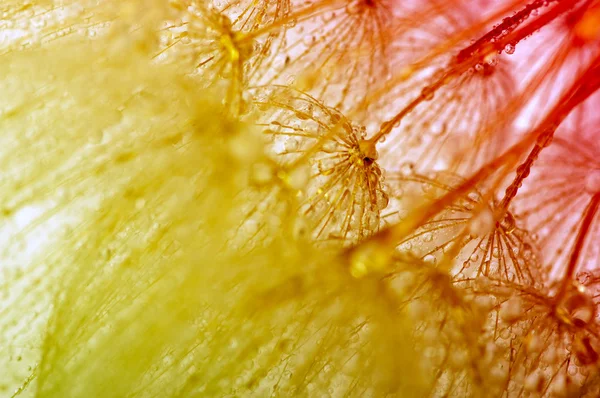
[
  {"x": 347, "y": 50},
  {"x": 548, "y": 336},
  {"x": 482, "y": 245},
  {"x": 345, "y": 194}
]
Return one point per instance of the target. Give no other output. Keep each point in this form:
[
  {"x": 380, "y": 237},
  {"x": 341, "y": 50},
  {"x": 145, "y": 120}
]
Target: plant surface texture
[{"x": 300, "y": 198}]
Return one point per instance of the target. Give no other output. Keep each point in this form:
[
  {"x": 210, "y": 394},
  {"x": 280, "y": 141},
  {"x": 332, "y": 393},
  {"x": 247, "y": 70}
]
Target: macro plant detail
[
  {"x": 300, "y": 198},
  {"x": 465, "y": 237},
  {"x": 343, "y": 190}
]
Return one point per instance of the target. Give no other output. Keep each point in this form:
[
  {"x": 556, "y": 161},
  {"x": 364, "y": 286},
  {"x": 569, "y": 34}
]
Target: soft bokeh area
[{"x": 122, "y": 186}]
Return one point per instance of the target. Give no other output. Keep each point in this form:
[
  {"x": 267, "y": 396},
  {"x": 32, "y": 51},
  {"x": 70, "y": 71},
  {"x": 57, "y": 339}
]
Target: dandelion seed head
[
  {"x": 345, "y": 194},
  {"x": 552, "y": 336},
  {"x": 467, "y": 229}
]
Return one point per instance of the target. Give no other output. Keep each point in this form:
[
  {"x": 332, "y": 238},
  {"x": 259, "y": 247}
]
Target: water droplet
[
  {"x": 485, "y": 303},
  {"x": 492, "y": 59},
  {"x": 383, "y": 200},
  {"x": 430, "y": 259},
  {"x": 279, "y": 144},
  {"x": 428, "y": 237},
  {"x": 328, "y": 16},
  {"x": 509, "y": 49},
  {"x": 329, "y": 146},
  {"x": 427, "y": 93},
  {"x": 577, "y": 308},
  {"x": 407, "y": 169},
  {"x": 309, "y": 40}
]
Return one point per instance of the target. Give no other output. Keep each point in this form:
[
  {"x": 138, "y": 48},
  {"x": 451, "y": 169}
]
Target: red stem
[
  {"x": 470, "y": 56},
  {"x": 588, "y": 217},
  {"x": 580, "y": 90},
  {"x": 507, "y": 25},
  {"x": 588, "y": 83}
]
